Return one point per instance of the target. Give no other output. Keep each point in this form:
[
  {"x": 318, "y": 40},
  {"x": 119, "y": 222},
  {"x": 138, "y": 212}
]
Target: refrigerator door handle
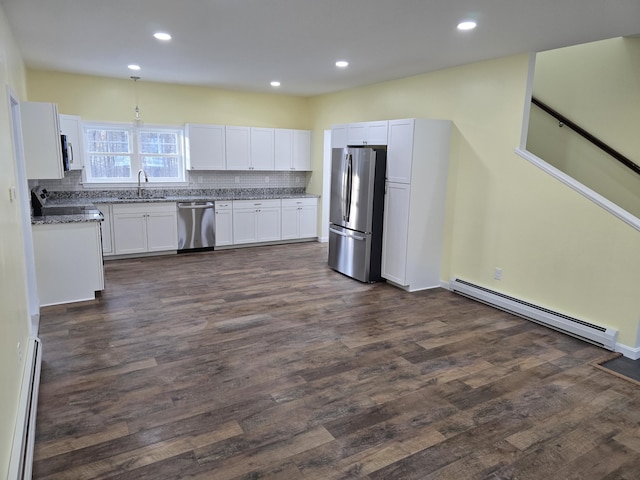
[
  {"x": 349, "y": 186},
  {"x": 345, "y": 234},
  {"x": 344, "y": 187}
]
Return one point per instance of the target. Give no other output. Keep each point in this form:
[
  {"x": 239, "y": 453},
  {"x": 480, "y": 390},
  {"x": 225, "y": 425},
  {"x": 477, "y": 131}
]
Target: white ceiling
[{"x": 244, "y": 44}]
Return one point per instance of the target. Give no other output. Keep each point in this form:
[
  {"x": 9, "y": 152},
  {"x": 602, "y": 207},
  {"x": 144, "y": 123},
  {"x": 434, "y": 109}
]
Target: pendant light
[{"x": 137, "y": 118}]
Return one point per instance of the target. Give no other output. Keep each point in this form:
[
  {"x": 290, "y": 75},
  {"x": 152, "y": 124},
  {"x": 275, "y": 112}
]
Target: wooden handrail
[{"x": 583, "y": 133}]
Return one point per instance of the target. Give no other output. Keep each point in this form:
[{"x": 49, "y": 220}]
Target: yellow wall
[
  {"x": 109, "y": 99},
  {"x": 597, "y": 86},
  {"x": 14, "y": 315},
  {"x": 555, "y": 247}
]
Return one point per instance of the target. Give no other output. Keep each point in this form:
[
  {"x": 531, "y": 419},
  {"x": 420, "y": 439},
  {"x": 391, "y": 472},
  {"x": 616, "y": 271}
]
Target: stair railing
[{"x": 564, "y": 121}]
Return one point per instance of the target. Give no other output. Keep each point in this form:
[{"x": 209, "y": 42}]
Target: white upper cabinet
[
  {"x": 292, "y": 149},
  {"x": 339, "y": 136},
  {"x": 250, "y": 148},
  {"x": 41, "y": 140},
  {"x": 400, "y": 150},
  {"x": 367, "y": 133},
  {"x": 262, "y": 149},
  {"x": 205, "y": 147},
  {"x": 238, "y": 140},
  {"x": 71, "y": 126},
  {"x": 301, "y": 150}
]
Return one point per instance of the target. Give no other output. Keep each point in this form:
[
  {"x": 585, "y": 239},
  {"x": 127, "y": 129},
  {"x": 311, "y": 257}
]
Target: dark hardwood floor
[{"x": 262, "y": 363}]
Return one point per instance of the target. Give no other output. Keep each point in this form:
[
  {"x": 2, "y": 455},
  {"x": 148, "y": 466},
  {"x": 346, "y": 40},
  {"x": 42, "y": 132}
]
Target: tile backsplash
[{"x": 207, "y": 180}]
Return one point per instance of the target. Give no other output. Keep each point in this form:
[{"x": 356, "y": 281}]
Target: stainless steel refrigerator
[{"x": 356, "y": 211}]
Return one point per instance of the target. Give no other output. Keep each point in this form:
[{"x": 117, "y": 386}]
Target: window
[{"x": 116, "y": 152}]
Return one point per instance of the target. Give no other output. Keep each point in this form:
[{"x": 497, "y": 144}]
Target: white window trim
[{"x": 136, "y": 156}]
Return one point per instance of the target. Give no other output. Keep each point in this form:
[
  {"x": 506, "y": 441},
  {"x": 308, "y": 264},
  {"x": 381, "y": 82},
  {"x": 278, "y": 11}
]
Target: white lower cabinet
[
  {"x": 256, "y": 221},
  {"x": 68, "y": 261},
  {"x": 107, "y": 228},
  {"x": 144, "y": 227},
  {"x": 299, "y": 218},
  {"x": 223, "y": 235},
  {"x": 395, "y": 233}
]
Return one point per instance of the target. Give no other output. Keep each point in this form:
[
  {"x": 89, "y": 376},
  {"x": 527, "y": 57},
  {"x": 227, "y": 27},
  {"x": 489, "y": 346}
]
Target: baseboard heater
[
  {"x": 21, "y": 463},
  {"x": 595, "y": 334}
]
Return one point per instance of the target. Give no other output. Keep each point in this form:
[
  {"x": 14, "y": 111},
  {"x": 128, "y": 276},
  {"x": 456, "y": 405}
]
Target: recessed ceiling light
[
  {"x": 468, "y": 25},
  {"x": 275, "y": 84},
  {"x": 133, "y": 67},
  {"x": 342, "y": 63},
  {"x": 162, "y": 36}
]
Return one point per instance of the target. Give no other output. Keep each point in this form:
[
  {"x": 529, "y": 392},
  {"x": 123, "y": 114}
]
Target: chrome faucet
[{"x": 146, "y": 179}]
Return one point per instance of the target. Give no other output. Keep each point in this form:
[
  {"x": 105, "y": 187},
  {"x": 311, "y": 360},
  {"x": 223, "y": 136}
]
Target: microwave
[{"x": 67, "y": 153}]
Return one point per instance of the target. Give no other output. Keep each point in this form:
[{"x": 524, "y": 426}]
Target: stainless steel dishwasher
[{"x": 196, "y": 221}]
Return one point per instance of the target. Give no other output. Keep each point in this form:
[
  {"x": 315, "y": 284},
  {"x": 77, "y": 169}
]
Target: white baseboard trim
[
  {"x": 629, "y": 352},
  {"x": 20, "y": 463}
]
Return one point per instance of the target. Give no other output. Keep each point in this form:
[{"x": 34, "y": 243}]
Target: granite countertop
[
  {"x": 75, "y": 218},
  {"x": 89, "y": 198}
]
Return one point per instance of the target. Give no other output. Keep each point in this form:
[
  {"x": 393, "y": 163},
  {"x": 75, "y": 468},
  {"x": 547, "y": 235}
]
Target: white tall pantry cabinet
[{"x": 417, "y": 166}]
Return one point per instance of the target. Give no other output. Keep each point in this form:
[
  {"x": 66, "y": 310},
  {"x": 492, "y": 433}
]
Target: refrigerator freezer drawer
[{"x": 350, "y": 253}]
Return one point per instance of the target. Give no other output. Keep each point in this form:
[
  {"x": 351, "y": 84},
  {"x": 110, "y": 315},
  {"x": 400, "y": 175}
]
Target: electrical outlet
[
  {"x": 266, "y": 179},
  {"x": 497, "y": 274},
  {"x": 199, "y": 178},
  {"x": 237, "y": 179}
]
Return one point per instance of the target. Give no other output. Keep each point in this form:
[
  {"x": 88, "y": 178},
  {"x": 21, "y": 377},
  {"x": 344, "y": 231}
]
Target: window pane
[
  {"x": 111, "y": 141},
  {"x": 110, "y": 166},
  {"x": 159, "y": 142},
  {"x": 164, "y": 167}
]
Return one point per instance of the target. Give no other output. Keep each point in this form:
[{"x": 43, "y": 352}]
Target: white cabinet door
[
  {"x": 299, "y": 218},
  {"x": 238, "y": 146},
  {"x": 308, "y": 220},
  {"x": 268, "y": 228},
  {"x": 292, "y": 149},
  {"x": 290, "y": 222},
  {"x": 283, "y": 148},
  {"x": 395, "y": 235},
  {"x": 129, "y": 233},
  {"x": 71, "y": 126},
  {"x": 244, "y": 225},
  {"x": 223, "y": 224},
  {"x": 162, "y": 231},
  {"x": 205, "y": 147},
  {"x": 68, "y": 262},
  {"x": 145, "y": 227},
  {"x": 301, "y": 150},
  {"x": 367, "y": 133},
  {"x": 357, "y": 134},
  {"x": 262, "y": 153},
  {"x": 107, "y": 230},
  {"x": 377, "y": 132},
  {"x": 339, "y": 136},
  {"x": 41, "y": 140},
  {"x": 400, "y": 150}
]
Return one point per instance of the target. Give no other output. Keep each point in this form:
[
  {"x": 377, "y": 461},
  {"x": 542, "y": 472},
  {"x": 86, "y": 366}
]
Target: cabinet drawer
[
  {"x": 223, "y": 205},
  {"x": 163, "y": 207},
  {"x": 299, "y": 202},
  {"x": 256, "y": 203}
]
